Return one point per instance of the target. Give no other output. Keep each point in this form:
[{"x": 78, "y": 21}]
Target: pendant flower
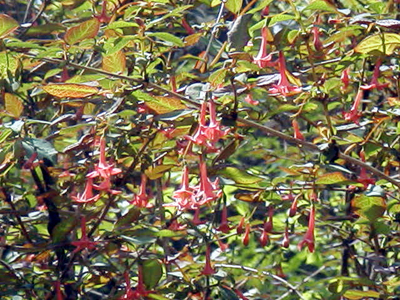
[
  {"x": 208, "y": 269},
  {"x": 87, "y": 195},
  {"x": 142, "y": 199},
  {"x": 374, "y": 81},
  {"x": 309, "y": 236},
  {"x": 354, "y": 114},
  {"x": 284, "y": 87},
  {"x": 184, "y": 197},
  {"x": 84, "y": 242},
  {"x": 207, "y": 190},
  {"x": 363, "y": 177},
  {"x": 263, "y": 59}
]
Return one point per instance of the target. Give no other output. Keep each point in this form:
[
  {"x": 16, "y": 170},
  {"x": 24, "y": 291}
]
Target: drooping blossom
[
  {"x": 207, "y": 190},
  {"x": 264, "y": 238},
  {"x": 208, "y": 269},
  {"x": 263, "y": 59},
  {"x": 142, "y": 199},
  {"x": 293, "y": 207},
  {"x": 364, "y": 178},
  {"x": 286, "y": 241},
  {"x": 239, "y": 228},
  {"x": 296, "y": 129},
  {"x": 87, "y": 195},
  {"x": 345, "y": 79},
  {"x": 265, "y": 11},
  {"x": 196, "y": 217},
  {"x": 184, "y": 197},
  {"x": 187, "y": 27},
  {"x": 208, "y": 135},
  {"x": 316, "y": 39},
  {"x": 374, "y": 81},
  {"x": 139, "y": 292},
  {"x": 283, "y": 87},
  {"x": 103, "y": 169},
  {"x": 246, "y": 236},
  {"x": 84, "y": 242},
  {"x": 309, "y": 236},
  {"x": 224, "y": 226},
  {"x": 354, "y": 114},
  {"x": 249, "y": 99},
  {"x": 103, "y": 17},
  {"x": 269, "y": 225}
]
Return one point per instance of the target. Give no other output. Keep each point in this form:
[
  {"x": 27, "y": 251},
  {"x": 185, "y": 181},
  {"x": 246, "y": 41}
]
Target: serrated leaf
[
  {"x": 70, "y": 90},
  {"x": 115, "y": 63},
  {"x": 320, "y": 5},
  {"x": 159, "y": 104},
  {"x": 83, "y": 31},
  {"x": 370, "y": 208},
  {"x": 331, "y": 178},
  {"x": 217, "y": 77},
  {"x": 152, "y": 272},
  {"x": 13, "y": 105},
  {"x": 356, "y": 294},
  {"x": 239, "y": 176},
  {"x": 234, "y": 5},
  {"x": 167, "y": 37},
  {"x": 384, "y": 43},
  {"x": 7, "y": 25},
  {"x": 157, "y": 171}
]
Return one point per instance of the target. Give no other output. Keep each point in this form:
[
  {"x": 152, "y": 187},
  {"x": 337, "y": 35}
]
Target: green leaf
[
  {"x": 356, "y": 294},
  {"x": 370, "y": 208},
  {"x": 7, "y": 25},
  {"x": 83, "y": 31},
  {"x": 320, "y": 5},
  {"x": 62, "y": 229},
  {"x": 152, "y": 272},
  {"x": 279, "y": 18},
  {"x": 113, "y": 45},
  {"x": 167, "y": 37},
  {"x": 114, "y": 63},
  {"x": 159, "y": 104},
  {"x": 13, "y": 105},
  {"x": 234, "y": 5},
  {"x": 331, "y": 178},
  {"x": 261, "y": 5},
  {"x": 121, "y": 24},
  {"x": 384, "y": 43},
  {"x": 239, "y": 176},
  {"x": 217, "y": 77},
  {"x": 227, "y": 294}
]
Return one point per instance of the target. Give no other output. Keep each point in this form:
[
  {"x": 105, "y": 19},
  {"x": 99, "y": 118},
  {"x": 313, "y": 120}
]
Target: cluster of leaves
[{"x": 191, "y": 149}]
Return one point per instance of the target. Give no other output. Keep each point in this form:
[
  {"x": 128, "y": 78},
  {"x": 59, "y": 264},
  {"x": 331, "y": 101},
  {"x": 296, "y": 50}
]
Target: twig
[{"x": 248, "y": 269}]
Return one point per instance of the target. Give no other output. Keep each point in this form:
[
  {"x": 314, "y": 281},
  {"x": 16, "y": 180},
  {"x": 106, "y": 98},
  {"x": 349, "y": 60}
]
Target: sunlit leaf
[
  {"x": 382, "y": 42},
  {"x": 83, "y": 31},
  {"x": 370, "y": 208},
  {"x": 7, "y": 25},
  {"x": 13, "y": 105},
  {"x": 234, "y": 5},
  {"x": 239, "y": 176},
  {"x": 159, "y": 104},
  {"x": 114, "y": 63},
  {"x": 320, "y": 5},
  {"x": 357, "y": 295},
  {"x": 157, "y": 171},
  {"x": 218, "y": 77},
  {"x": 168, "y": 37},
  {"x": 279, "y": 18},
  {"x": 331, "y": 178},
  {"x": 70, "y": 90}
]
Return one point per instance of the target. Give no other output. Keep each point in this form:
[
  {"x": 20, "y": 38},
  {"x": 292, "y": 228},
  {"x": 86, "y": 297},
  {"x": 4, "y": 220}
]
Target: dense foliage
[{"x": 199, "y": 149}]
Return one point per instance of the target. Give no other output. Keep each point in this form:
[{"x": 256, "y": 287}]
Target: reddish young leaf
[{"x": 83, "y": 31}]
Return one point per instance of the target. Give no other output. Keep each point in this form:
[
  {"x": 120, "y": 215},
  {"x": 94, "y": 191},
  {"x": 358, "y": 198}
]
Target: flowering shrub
[{"x": 199, "y": 149}]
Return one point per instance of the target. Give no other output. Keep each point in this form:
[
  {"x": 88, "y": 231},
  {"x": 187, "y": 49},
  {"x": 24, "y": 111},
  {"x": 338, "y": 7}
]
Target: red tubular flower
[
  {"x": 224, "y": 227},
  {"x": 286, "y": 241},
  {"x": 309, "y": 236},
  {"x": 187, "y": 27},
  {"x": 364, "y": 178},
  {"x": 84, "y": 242},
  {"x": 345, "y": 78},
  {"x": 249, "y": 99},
  {"x": 269, "y": 226},
  {"x": 263, "y": 59},
  {"x": 140, "y": 292},
  {"x": 207, "y": 191},
  {"x": 283, "y": 87},
  {"x": 184, "y": 197},
  {"x": 374, "y": 81},
  {"x": 354, "y": 115},
  {"x": 142, "y": 199},
  {"x": 239, "y": 228},
  {"x": 293, "y": 207},
  {"x": 264, "y": 238},
  {"x": 246, "y": 237},
  {"x": 196, "y": 217},
  {"x": 208, "y": 269},
  {"x": 296, "y": 129},
  {"x": 316, "y": 40},
  {"x": 208, "y": 135},
  {"x": 87, "y": 195}
]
